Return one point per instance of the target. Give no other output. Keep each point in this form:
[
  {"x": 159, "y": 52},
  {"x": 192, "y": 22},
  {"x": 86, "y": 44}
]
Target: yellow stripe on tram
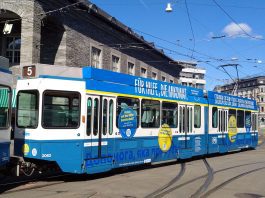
[{"x": 142, "y": 97}]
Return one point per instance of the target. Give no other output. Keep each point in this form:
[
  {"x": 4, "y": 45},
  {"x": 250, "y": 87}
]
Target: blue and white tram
[
  {"x": 5, "y": 115},
  {"x": 107, "y": 120}
]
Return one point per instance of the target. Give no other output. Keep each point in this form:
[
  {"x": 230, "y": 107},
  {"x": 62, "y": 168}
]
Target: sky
[{"x": 212, "y": 33}]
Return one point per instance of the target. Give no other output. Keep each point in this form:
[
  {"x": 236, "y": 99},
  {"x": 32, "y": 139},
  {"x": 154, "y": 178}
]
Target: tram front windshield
[
  {"x": 5, "y": 98},
  {"x": 27, "y": 109}
]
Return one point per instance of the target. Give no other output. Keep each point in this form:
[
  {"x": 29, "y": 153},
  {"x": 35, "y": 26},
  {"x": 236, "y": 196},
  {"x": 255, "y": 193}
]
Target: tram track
[
  {"x": 207, "y": 182},
  {"x": 220, "y": 186},
  {"x": 170, "y": 183},
  {"x": 11, "y": 187},
  {"x": 202, "y": 188},
  {"x": 162, "y": 194}
]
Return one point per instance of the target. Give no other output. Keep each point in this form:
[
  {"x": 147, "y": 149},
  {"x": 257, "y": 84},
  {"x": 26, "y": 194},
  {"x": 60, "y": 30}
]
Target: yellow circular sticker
[
  {"x": 25, "y": 149},
  {"x": 165, "y": 138},
  {"x": 232, "y": 128}
]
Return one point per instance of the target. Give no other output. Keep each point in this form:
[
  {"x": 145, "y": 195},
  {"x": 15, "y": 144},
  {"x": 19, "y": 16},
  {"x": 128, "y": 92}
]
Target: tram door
[
  {"x": 222, "y": 125},
  {"x": 185, "y": 125},
  {"x": 98, "y": 125}
]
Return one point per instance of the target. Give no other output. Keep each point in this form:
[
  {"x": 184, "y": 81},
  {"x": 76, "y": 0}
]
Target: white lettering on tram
[{"x": 150, "y": 88}]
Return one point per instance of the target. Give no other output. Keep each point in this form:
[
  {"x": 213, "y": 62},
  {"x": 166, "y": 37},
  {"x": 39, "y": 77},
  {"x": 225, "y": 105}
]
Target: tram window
[
  {"x": 219, "y": 121},
  {"x": 190, "y": 119},
  {"x": 110, "y": 117},
  {"x": 5, "y": 97},
  {"x": 240, "y": 119},
  {"x": 197, "y": 116},
  {"x": 225, "y": 120},
  {"x": 124, "y": 103},
  {"x": 214, "y": 117},
  {"x": 89, "y": 116},
  {"x": 170, "y": 114},
  {"x": 247, "y": 119},
  {"x": 96, "y": 116},
  {"x": 61, "y": 109},
  {"x": 231, "y": 113},
  {"x": 254, "y": 122},
  {"x": 105, "y": 118},
  {"x": 181, "y": 119},
  {"x": 150, "y": 114},
  {"x": 27, "y": 109}
]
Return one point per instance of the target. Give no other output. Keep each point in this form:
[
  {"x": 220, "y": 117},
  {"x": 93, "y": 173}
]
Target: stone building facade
[
  {"x": 77, "y": 33},
  {"x": 253, "y": 88}
]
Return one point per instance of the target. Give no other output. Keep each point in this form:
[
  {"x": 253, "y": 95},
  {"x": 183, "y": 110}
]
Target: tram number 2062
[{"x": 46, "y": 155}]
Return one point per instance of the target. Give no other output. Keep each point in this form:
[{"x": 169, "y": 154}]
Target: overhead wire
[
  {"x": 237, "y": 24},
  {"x": 172, "y": 51},
  {"x": 191, "y": 28}
]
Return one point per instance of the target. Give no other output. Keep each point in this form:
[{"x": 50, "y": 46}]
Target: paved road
[{"x": 239, "y": 175}]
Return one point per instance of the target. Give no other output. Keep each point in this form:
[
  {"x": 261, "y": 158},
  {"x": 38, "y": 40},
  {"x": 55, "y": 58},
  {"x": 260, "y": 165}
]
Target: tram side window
[
  {"x": 150, "y": 114},
  {"x": 254, "y": 122},
  {"x": 27, "y": 109},
  {"x": 130, "y": 103},
  {"x": 170, "y": 114},
  {"x": 96, "y": 116},
  {"x": 247, "y": 119},
  {"x": 111, "y": 106},
  {"x": 5, "y": 97},
  {"x": 190, "y": 119},
  {"x": 214, "y": 117},
  {"x": 61, "y": 109},
  {"x": 240, "y": 119},
  {"x": 181, "y": 119},
  {"x": 105, "y": 119},
  {"x": 232, "y": 118},
  {"x": 197, "y": 116},
  {"x": 89, "y": 116}
]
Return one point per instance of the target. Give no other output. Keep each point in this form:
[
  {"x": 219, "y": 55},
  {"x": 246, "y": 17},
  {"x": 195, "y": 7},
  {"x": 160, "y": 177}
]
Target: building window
[
  {"x": 143, "y": 72},
  {"x": 154, "y": 76},
  {"x": 115, "y": 63},
  {"x": 164, "y": 79},
  {"x": 131, "y": 69},
  {"x": 13, "y": 49},
  {"x": 95, "y": 57}
]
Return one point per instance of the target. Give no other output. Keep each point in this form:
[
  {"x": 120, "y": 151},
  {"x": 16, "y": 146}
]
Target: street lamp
[{"x": 169, "y": 7}]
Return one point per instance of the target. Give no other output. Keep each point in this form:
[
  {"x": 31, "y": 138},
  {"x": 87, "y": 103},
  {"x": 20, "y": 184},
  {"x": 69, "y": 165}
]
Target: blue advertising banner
[
  {"x": 103, "y": 80},
  {"x": 108, "y": 81},
  {"x": 222, "y": 99}
]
